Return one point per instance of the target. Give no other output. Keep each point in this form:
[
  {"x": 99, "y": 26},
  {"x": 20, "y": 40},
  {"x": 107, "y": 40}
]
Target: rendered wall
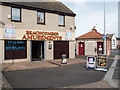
[
  {"x": 71, "y": 49},
  {"x": 29, "y": 23},
  {"x": 90, "y": 44},
  {"x": 89, "y": 47}
]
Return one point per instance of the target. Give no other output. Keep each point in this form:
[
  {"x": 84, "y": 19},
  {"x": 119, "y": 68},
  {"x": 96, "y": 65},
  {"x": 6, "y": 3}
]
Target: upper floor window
[
  {"x": 61, "y": 20},
  {"x": 16, "y": 14},
  {"x": 40, "y": 17}
]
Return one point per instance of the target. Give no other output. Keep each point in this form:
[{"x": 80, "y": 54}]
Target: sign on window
[{"x": 15, "y": 49}]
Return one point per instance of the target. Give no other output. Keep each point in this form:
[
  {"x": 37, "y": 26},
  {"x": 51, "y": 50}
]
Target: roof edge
[{"x": 36, "y": 8}]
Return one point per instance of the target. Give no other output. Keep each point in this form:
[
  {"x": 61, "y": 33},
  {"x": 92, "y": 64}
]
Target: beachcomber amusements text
[{"x": 41, "y": 35}]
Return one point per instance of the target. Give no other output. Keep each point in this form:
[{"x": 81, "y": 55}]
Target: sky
[{"x": 90, "y": 13}]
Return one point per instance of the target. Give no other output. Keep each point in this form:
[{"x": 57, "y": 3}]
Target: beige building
[
  {"x": 36, "y": 31},
  {"x": 91, "y": 43}
]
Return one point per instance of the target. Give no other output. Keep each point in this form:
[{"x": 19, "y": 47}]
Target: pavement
[
  {"x": 109, "y": 75},
  {"x": 116, "y": 74},
  {"x": 39, "y": 64},
  {"x": 53, "y": 74}
]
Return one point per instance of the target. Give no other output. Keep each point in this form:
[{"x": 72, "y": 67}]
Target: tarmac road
[
  {"x": 115, "y": 52},
  {"x": 69, "y": 75},
  {"x": 53, "y": 77}
]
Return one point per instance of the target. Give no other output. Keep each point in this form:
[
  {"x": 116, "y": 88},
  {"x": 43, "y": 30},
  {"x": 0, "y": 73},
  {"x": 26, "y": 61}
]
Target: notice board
[
  {"x": 91, "y": 62},
  {"x": 102, "y": 61}
]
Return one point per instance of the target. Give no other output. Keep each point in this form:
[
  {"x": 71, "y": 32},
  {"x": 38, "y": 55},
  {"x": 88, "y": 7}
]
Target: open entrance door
[{"x": 37, "y": 50}]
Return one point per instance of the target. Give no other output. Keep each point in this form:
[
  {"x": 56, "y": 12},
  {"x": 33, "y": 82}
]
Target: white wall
[
  {"x": 114, "y": 44},
  {"x": 89, "y": 47},
  {"x": 49, "y": 52},
  {"x": 72, "y": 49}
]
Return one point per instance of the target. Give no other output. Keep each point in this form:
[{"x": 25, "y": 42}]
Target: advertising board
[
  {"x": 91, "y": 62},
  {"x": 101, "y": 62}
]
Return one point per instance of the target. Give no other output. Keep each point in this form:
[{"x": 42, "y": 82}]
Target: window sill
[
  {"x": 61, "y": 25},
  {"x": 41, "y": 23},
  {"x": 15, "y": 21}
]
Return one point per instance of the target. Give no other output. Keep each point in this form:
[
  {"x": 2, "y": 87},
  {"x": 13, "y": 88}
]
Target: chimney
[{"x": 94, "y": 28}]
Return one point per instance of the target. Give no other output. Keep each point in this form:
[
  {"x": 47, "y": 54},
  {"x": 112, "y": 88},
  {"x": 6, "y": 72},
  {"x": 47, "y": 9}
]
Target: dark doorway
[
  {"x": 99, "y": 47},
  {"x": 37, "y": 50},
  {"x": 60, "y": 48},
  {"x": 81, "y": 48}
]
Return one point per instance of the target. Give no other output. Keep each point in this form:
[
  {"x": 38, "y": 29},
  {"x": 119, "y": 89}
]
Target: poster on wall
[
  {"x": 9, "y": 31},
  {"x": 15, "y": 49},
  {"x": 68, "y": 35}
]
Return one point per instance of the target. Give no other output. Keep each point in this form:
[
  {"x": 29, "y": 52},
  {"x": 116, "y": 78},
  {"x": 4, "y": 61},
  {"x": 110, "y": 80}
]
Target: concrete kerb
[
  {"x": 109, "y": 74},
  {"x": 5, "y": 84}
]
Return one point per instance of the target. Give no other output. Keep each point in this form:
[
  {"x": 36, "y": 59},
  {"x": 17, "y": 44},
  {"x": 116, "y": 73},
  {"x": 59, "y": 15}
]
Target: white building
[{"x": 113, "y": 40}]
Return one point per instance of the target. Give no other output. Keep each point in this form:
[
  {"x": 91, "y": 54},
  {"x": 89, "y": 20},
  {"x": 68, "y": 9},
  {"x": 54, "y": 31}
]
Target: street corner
[{"x": 112, "y": 74}]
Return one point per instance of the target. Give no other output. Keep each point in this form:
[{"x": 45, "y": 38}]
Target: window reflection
[
  {"x": 61, "y": 20},
  {"x": 16, "y": 14},
  {"x": 40, "y": 17}
]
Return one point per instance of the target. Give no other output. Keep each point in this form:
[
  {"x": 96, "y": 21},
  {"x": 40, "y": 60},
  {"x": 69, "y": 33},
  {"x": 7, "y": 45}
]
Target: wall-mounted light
[
  {"x": 9, "y": 16},
  {"x": 72, "y": 27}
]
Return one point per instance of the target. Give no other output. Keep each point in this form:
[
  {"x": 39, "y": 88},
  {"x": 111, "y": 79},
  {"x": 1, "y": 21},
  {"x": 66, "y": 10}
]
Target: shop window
[
  {"x": 15, "y": 49},
  {"x": 61, "y": 20},
  {"x": 40, "y": 18},
  {"x": 16, "y": 14}
]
